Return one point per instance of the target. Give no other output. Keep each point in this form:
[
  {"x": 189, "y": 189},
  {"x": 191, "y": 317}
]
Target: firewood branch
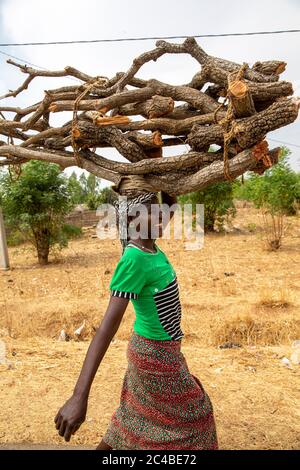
[{"x": 225, "y": 103}]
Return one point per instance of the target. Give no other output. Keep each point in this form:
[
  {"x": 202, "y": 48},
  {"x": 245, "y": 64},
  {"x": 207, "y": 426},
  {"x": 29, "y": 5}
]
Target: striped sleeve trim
[{"x": 124, "y": 295}]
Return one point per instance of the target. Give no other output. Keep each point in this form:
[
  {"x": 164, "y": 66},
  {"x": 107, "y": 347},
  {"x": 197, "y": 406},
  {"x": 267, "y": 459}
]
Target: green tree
[
  {"x": 93, "y": 183},
  {"x": 93, "y": 191},
  {"x": 75, "y": 189},
  {"x": 3, "y": 173},
  {"x": 36, "y": 202},
  {"x": 218, "y": 203},
  {"x": 276, "y": 193},
  {"x": 85, "y": 189},
  {"x": 83, "y": 183},
  {"x": 107, "y": 196}
]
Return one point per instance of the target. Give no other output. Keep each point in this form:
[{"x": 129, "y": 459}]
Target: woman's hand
[{"x": 71, "y": 416}]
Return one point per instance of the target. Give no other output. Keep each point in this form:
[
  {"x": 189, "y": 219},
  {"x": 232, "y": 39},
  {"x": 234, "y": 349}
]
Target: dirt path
[
  {"x": 25, "y": 446},
  {"x": 232, "y": 290}
]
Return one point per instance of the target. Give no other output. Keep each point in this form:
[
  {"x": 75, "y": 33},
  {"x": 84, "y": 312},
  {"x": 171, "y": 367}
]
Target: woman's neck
[{"x": 147, "y": 242}]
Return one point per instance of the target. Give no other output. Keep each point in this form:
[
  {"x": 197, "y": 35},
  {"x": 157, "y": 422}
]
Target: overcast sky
[{"x": 59, "y": 20}]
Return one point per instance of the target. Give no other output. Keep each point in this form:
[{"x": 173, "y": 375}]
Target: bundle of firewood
[{"x": 226, "y": 105}]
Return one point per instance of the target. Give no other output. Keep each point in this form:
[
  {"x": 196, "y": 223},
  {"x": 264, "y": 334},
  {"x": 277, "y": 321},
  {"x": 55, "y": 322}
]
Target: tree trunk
[
  {"x": 241, "y": 98},
  {"x": 250, "y": 130},
  {"x": 270, "y": 67},
  {"x": 247, "y": 131},
  {"x": 42, "y": 241}
]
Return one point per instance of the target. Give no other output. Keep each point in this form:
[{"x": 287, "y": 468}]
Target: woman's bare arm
[
  {"x": 73, "y": 413},
  {"x": 99, "y": 345}
]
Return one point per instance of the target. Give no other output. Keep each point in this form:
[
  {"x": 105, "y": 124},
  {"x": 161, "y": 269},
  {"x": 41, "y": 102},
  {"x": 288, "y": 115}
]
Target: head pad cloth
[{"x": 137, "y": 191}]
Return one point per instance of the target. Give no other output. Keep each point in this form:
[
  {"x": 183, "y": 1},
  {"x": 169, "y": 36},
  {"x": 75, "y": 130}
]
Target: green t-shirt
[{"x": 150, "y": 282}]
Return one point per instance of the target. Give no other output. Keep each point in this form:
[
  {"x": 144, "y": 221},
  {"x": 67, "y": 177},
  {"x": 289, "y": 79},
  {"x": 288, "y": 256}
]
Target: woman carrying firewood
[{"x": 162, "y": 405}]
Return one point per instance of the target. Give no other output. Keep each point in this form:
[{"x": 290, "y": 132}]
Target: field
[{"x": 233, "y": 290}]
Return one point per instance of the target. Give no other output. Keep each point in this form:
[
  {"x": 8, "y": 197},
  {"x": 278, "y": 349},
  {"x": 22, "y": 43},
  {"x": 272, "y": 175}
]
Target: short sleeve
[{"x": 128, "y": 278}]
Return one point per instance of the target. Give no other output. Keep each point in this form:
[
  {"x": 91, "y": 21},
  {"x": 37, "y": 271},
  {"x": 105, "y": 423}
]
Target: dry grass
[
  {"x": 250, "y": 331},
  {"x": 255, "y": 304},
  {"x": 255, "y": 398}
]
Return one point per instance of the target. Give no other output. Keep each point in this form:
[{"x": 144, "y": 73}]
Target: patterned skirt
[{"x": 162, "y": 405}]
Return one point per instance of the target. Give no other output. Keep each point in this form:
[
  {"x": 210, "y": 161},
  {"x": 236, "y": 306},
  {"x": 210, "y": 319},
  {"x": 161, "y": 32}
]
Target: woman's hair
[{"x": 124, "y": 205}]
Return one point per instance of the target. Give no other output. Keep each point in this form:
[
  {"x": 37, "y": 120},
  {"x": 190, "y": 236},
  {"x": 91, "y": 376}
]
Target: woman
[{"x": 162, "y": 405}]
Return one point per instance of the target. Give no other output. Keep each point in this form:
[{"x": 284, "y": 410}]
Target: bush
[
  {"x": 218, "y": 204},
  {"x": 65, "y": 233},
  {"x": 15, "y": 237},
  {"x": 35, "y": 203},
  {"x": 107, "y": 196},
  {"x": 277, "y": 190}
]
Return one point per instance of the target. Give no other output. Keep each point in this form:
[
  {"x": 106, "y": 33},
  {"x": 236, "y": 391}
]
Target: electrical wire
[
  {"x": 22, "y": 60},
  {"x": 285, "y": 143},
  {"x": 143, "y": 39},
  {"x": 34, "y": 65},
  {"x": 253, "y": 33}
]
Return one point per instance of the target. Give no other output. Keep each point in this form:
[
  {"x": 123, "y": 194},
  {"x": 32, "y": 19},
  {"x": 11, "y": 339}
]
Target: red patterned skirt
[{"x": 162, "y": 405}]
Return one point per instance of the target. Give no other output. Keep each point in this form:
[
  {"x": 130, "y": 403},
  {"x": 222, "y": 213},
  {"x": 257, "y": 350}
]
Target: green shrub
[
  {"x": 277, "y": 190},
  {"x": 218, "y": 204},
  {"x": 35, "y": 204}
]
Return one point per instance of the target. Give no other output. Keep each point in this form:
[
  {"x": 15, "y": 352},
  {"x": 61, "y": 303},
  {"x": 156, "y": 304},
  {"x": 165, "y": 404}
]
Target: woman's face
[{"x": 148, "y": 221}]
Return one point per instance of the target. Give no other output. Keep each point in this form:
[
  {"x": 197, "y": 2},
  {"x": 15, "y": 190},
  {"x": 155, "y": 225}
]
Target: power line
[
  {"x": 22, "y": 60},
  {"x": 34, "y": 65},
  {"x": 253, "y": 33},
  {"x": 285, "y": 143},
  {"x": 170, "y": 37}
]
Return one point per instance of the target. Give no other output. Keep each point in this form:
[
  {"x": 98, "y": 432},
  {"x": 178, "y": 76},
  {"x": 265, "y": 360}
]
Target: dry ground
[{"x": 255, "y": 396}]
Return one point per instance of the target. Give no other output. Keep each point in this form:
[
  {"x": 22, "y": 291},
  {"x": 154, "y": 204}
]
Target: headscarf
[{"x": 123, "y": 205}]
